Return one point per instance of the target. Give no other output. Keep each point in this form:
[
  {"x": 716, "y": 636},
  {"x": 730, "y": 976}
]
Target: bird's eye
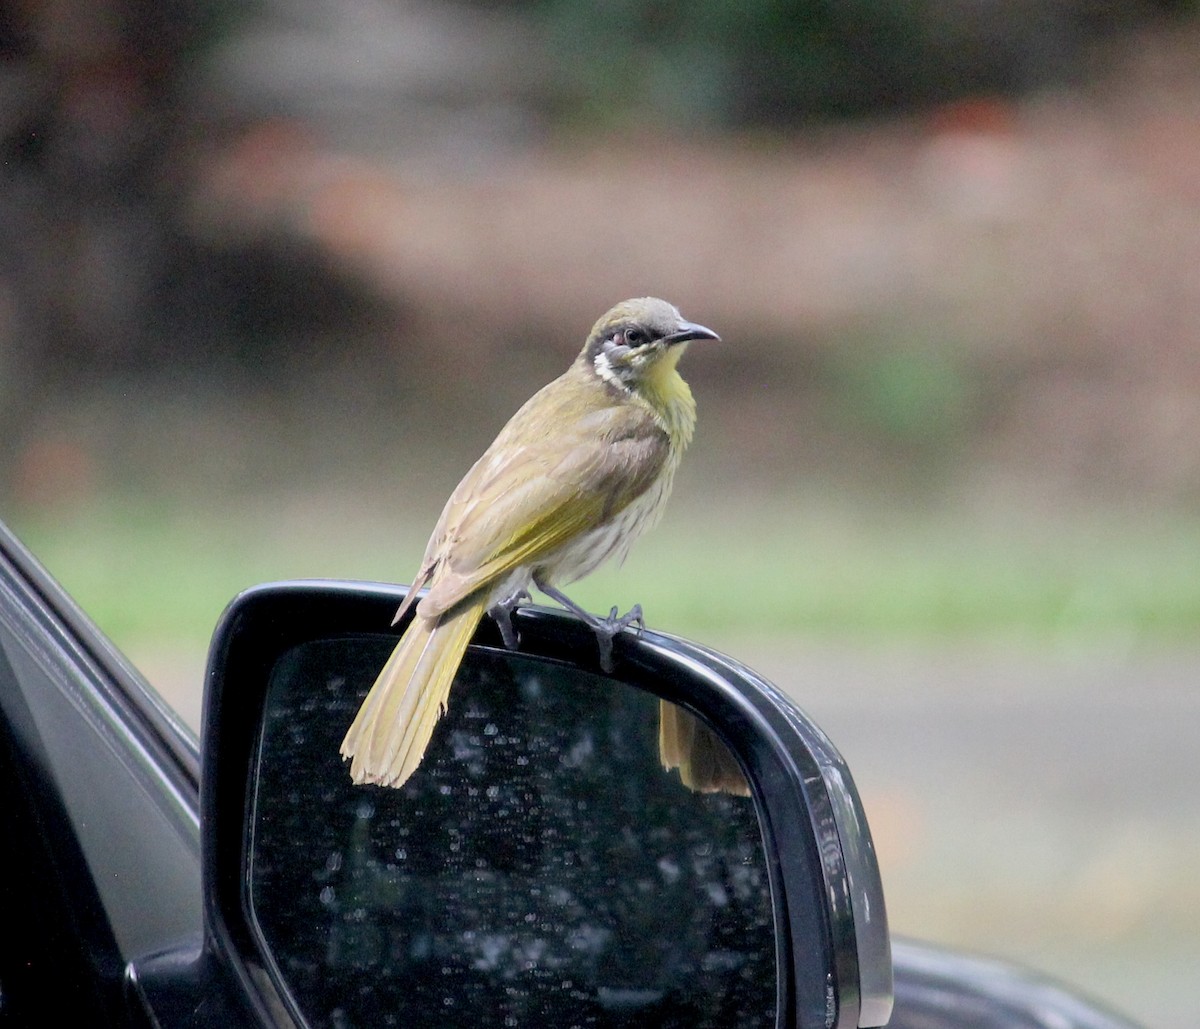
[{"x": 634, "y": 337}]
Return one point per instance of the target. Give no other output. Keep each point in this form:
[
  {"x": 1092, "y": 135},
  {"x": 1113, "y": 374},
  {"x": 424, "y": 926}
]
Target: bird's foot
[
  {"x": 502, "y": 615},
  {"x": 605, "y": 629}
]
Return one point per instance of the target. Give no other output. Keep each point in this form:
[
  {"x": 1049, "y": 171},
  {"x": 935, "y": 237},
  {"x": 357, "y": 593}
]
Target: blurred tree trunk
[{"x": 89, "y": 123}]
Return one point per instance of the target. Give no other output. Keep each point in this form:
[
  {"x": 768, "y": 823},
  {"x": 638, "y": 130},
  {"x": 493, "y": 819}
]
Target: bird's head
[{"x": 639, "y": 342}]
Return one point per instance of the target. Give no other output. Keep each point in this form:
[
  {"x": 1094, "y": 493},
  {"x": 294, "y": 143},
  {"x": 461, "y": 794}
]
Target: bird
[{"x": 581, "y": 470}]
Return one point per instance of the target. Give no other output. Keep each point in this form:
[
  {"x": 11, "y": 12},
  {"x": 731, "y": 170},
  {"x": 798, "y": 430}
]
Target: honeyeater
[{"x": 577, "y": 474}]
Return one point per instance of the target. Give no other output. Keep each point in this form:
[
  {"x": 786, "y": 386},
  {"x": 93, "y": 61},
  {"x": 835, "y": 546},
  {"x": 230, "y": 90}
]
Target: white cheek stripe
[{"x": 605, "y": 370}]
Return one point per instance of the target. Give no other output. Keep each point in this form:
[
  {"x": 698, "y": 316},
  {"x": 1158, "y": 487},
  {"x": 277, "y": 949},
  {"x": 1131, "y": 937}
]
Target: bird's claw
[
  {"x": 632, "y": 617},
  {"x": 607, "y": 628},
  {"x": 604, "y": 628},
  {"x": 502, "y": 615}
]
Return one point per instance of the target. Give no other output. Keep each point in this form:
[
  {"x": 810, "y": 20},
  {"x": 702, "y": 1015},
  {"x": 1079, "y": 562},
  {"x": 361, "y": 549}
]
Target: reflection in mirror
[{"x": 541, "y": 868}]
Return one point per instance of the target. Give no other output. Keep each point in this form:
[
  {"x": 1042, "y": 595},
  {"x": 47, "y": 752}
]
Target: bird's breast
[{"x": 612, "y": 539}]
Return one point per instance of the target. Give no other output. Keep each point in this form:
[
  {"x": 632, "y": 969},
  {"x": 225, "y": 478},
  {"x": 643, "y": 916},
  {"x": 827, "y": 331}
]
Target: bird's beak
[{"x": 688, "y": 331}]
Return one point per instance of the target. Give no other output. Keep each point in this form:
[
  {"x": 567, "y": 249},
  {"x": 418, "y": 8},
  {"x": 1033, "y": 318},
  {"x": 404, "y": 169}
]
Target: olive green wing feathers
[{"x": 526, "y": 497}]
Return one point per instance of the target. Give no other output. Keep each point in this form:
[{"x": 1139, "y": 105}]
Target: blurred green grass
[{"x": 162, "y": 570}]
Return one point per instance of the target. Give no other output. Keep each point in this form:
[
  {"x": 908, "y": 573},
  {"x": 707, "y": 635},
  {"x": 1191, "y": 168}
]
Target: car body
[{"x": 130, "y": 862}]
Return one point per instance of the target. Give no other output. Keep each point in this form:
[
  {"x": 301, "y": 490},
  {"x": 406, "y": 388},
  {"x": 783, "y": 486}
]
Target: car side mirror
[{"x": 542, "y": 866}]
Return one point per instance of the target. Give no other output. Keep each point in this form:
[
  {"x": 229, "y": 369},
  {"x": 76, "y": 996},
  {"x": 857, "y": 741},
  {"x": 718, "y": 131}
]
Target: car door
[{"x": 98, "y": 808}]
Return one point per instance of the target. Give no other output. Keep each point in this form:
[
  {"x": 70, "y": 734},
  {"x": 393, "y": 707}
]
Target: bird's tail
[
  {"x": 387, "y": 739},
  {"x": 705, "y": 764}
]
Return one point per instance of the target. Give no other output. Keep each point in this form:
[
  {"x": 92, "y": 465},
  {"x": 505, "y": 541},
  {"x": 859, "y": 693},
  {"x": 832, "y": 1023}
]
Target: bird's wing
[{"x": 527, "y": 496}]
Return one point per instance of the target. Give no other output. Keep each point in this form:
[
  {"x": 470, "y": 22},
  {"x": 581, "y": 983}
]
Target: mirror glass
[{"x": 540, "y": 868}]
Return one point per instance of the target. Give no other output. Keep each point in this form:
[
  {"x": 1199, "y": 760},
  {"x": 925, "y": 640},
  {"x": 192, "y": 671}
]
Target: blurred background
[{"x": 272, "y": 274}]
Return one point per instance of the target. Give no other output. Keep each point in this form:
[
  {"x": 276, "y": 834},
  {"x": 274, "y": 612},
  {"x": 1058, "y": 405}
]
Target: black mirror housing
[{"x": 830, "y": 947}]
